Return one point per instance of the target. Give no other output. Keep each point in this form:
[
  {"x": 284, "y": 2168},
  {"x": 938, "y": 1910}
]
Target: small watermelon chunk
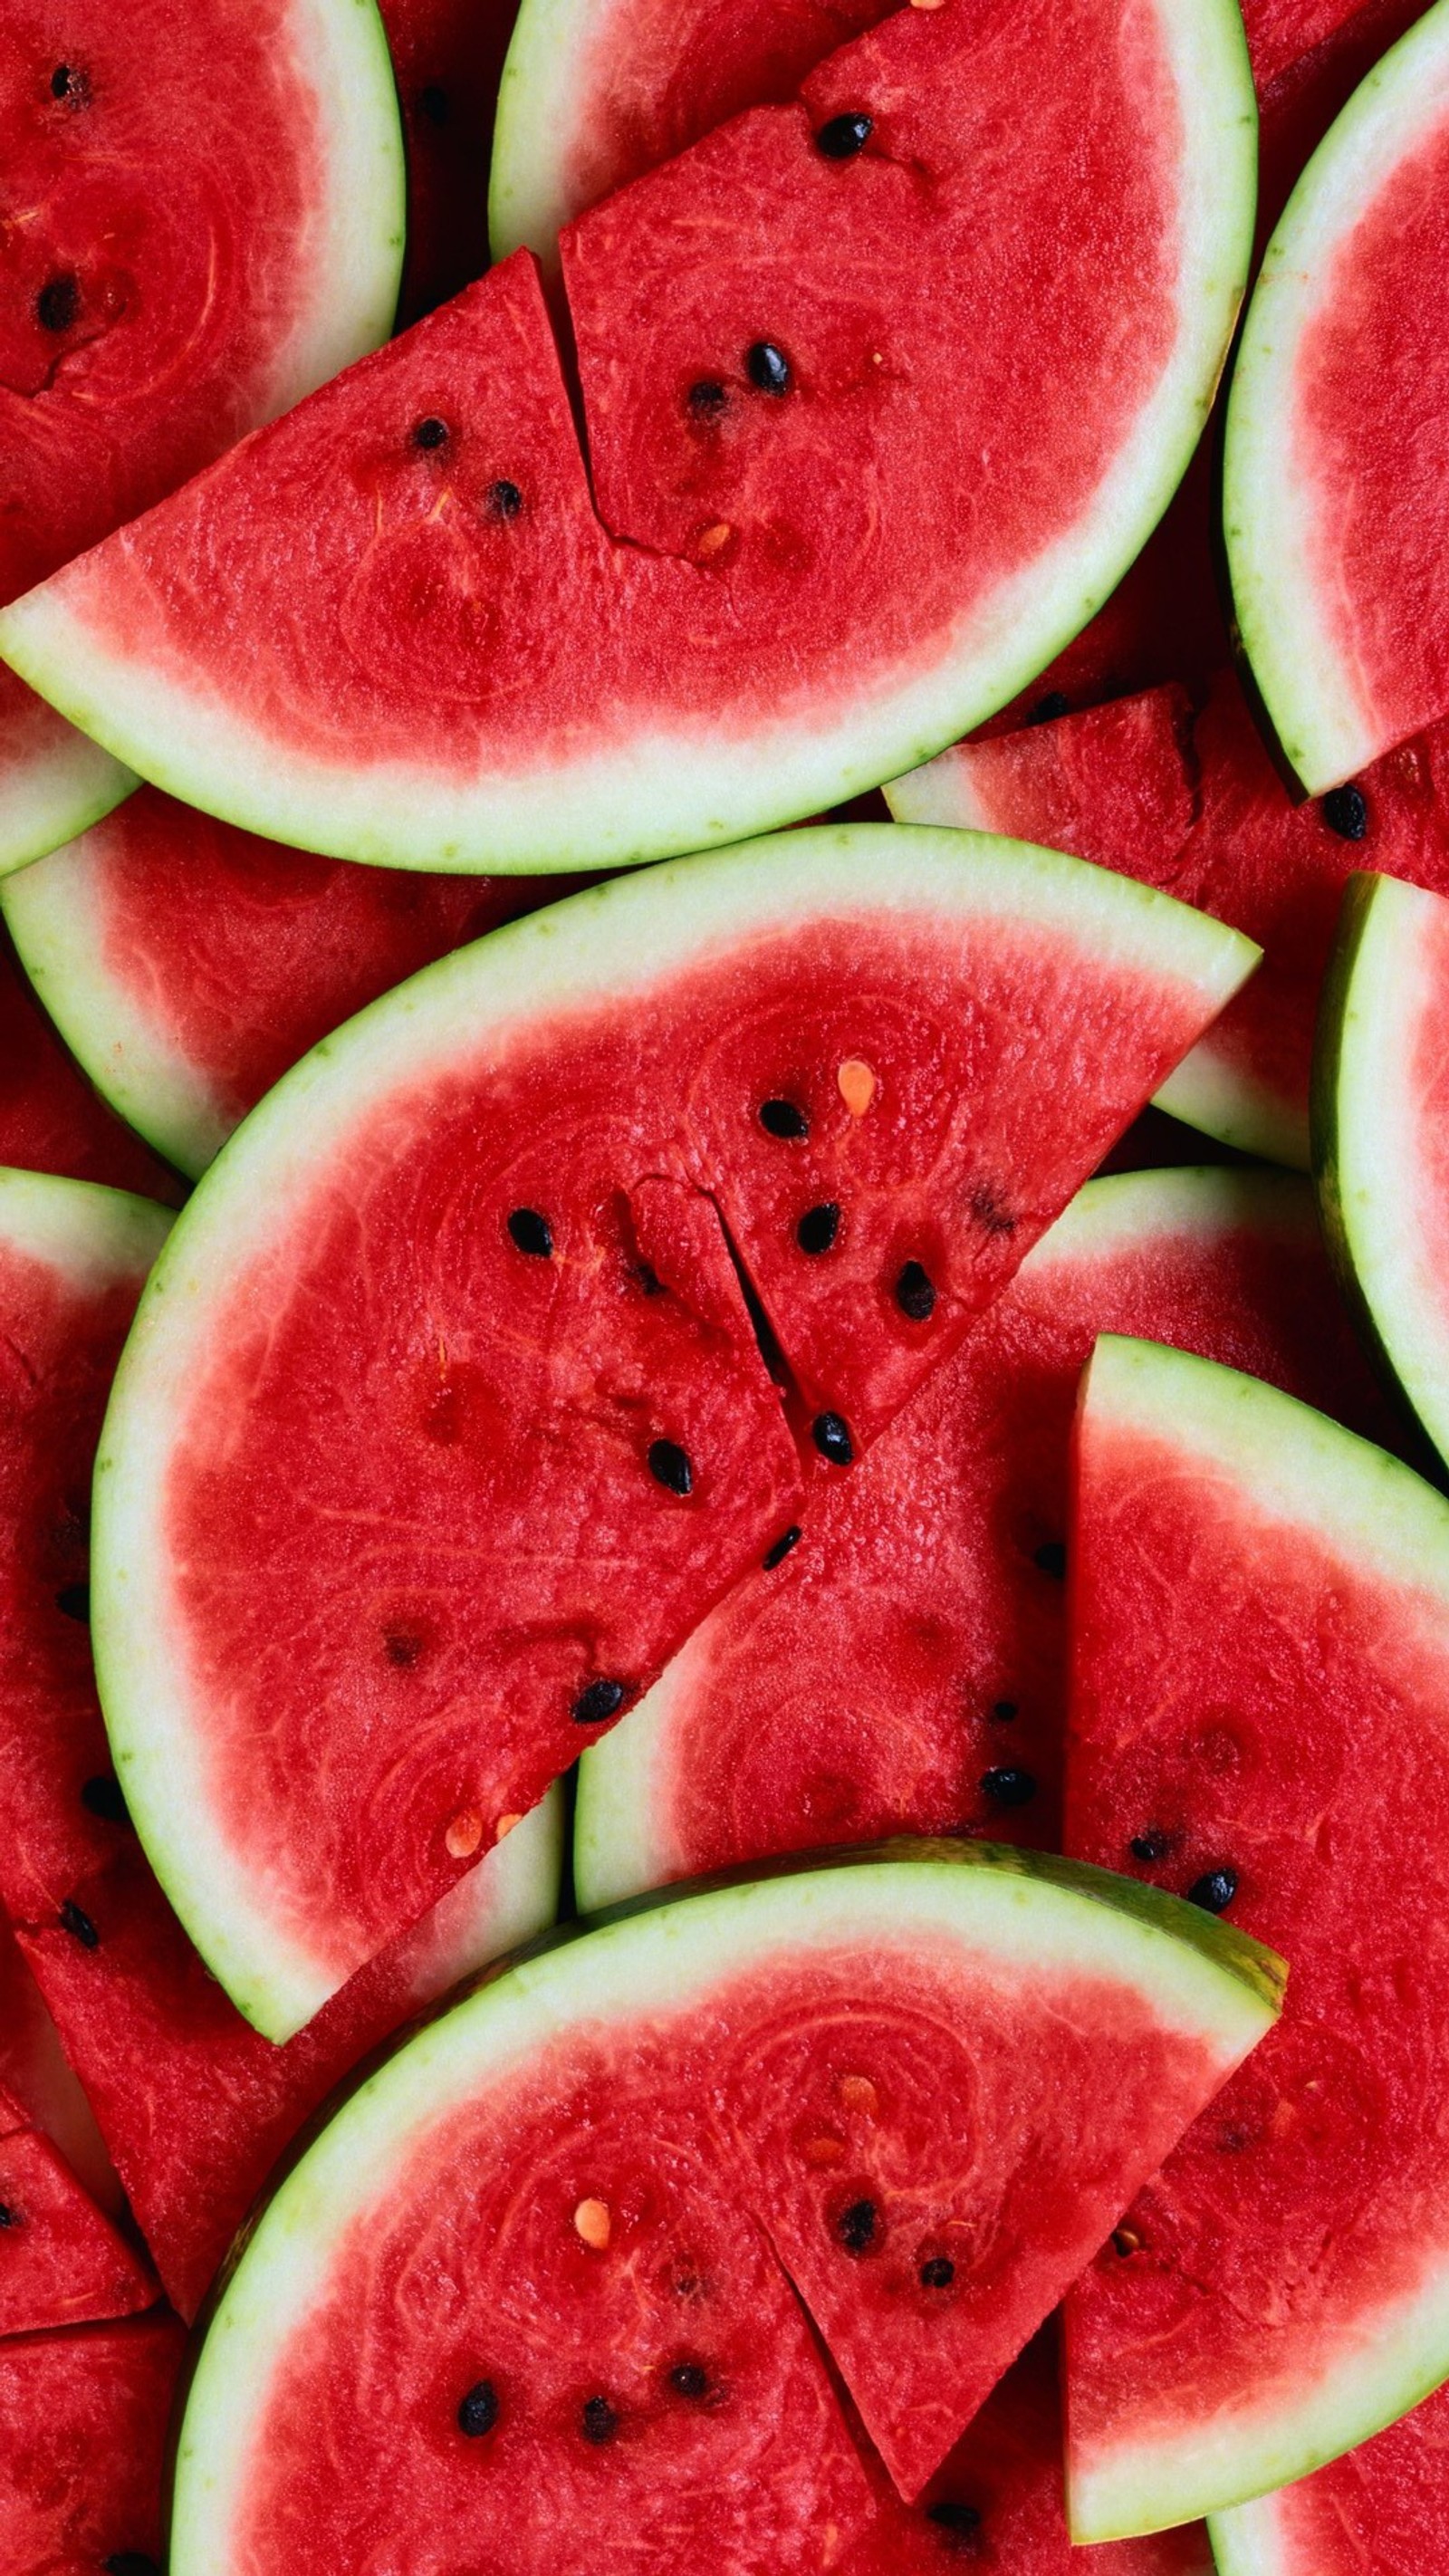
[
  {"x": 903, "y": 1669},
  {"x": 340, "y": 1635},
  {"x": 188, "y": 964},
  {"x": 1336, "y": 482},
  {"x": 1381, "y": 1135},
  {"x": 1112, "y": 784},
  {"x": 85, "y": 2417},
  {"x": 531, "y": 2261},
  {"x": 62, "y": 2263},
  {"x": 36, "y": 2073},
  {"x": 1272, "y": 1739},
  {"x": 1380, "y": 2511}
]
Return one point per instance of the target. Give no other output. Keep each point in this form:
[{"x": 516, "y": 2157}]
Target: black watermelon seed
[
  {"x": 504, "y": 499},
  {"x": 768, "y": 368},
  {"x": 777, "y": 1554},
  {"x": 599, "y": 2421},
  {"x": 600, "y": 1701},
  {"x": 1051, "y": 1557},
  {"x": 1125, "y": 2242},
  {"x": 532, "y": 1233},
  {"x": 843, "y": 136},
  {"x": 915, "y": 1295},
  {"x": 831, "y": 1435},
  {"x": 104, "y": 1797},
  {"x": 8, "y": 2217},
  {"x": 782, "y": 1118},
  {"x": 75, "y": 1600},
  {"x": 669, "y": 1465},
  {"x": 1047, "y": 709},
  {"x": 478, "y": 2412},
  {"x": 68, "y": 83},
  {"x": 1214, "y": 1891},
  {"x": 689, "y": 2380},
  {"x": 131, "y": 2562},
  {"x": 856, "y": 2226},
  {"x": 1008, "y": 1787},
  {"x": 1149, "y": 1846},
  {"x": 1003, "y": 1708},
  {"x": 58, "y": 304},
  {"x": 818, "y": 1227},
  {"x": 707, "y": 399},
  {"x": 433, "y": 103},
  {"x": 939, "y": 2273},
  {"x": 431, "y": 432},
  {"x": 1345, "y": 811},
  {"x": 79, "y": 1925},
  {"x": 954, "y": 2517},
  {"x": 649, "y": 1280}
]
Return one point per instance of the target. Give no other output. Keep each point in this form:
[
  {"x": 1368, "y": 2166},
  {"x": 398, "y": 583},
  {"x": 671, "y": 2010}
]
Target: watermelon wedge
[
  {"x": 188, "y": 964},
  {"x": 1380, "y": 1143},
  {"x": 175, "y": 280},
  {"x": 1271, "y": 1738},
  {"x": 62, "y": 2262},
  {"x": 195, "y": 2107},
  {"x": 1381, "y": 2510},
  {"x": 596, "y": 2164},
  {"x": 840, "y": 1081},
  {"x": 85, "y": 2418},
  {"x": 904, "y": 1668},
  {"x": 806, "y": 548},
  {"x": 1113, "y": 784},
  {"x": 35, "y": 2073},
  {"x": 1336, "y": 487}
]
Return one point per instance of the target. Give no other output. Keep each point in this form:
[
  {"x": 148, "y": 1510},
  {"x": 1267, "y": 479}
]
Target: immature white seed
[
  {"x": 594, "y": 2224},
  {"x": 464, "y": 1834},
  {"x": 856, "y": 1078}
]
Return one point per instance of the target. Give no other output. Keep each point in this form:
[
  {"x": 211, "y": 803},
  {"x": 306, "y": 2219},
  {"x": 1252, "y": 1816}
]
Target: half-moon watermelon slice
[
  {"x": 1380, "y": 2511},
  {"x": 805, "y": 546},
  {"x": 172, "y": 278},
  {"x": 1336, "y": 490},
  {"x": 1381, "y": 1132},
  {"x": 565, "y": 2228},
  {"x": 444, "y": 1420},
  {"x": 85, "y": 2417},
  {"x": 188, "y": 964},
  {"x": 904, "y": 1668},
  {"x": 1270, "y": 1738}
]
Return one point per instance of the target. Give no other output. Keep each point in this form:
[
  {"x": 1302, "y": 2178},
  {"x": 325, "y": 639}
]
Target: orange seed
[{"x": 856, "y": 1078}]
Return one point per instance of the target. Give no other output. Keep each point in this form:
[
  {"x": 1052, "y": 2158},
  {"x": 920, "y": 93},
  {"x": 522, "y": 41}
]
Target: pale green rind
[
  {"x": 600, "y": 946},
  {"x": 1019, "y": 1909},
  {"x": 1324, "y": 726},
  {"x": 1381, "y": 1006},
  {"x": 1210, "y": 1092},
  {"x": 944, "y": 790},
  {"x": 55, "y": 916},
  {"x": 89, "y": 1234},
  {"x": 693, "y": 785},
  {"x": 510, "y": 1898},
  {"x": 1250, "y": 2541},
  {"x": 622, "y": 1837},
  {"x": 54, "y": 792}
]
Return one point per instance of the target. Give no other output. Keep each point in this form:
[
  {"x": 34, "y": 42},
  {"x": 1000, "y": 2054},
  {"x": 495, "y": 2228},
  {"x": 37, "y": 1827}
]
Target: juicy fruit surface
[
  {"x": 1111, "y": 784},
  {"x": 190, "y": 964},
  {"x": 1382, "y": 2509},
  {"x": 85, "y": 2418},
  {"x": 50, "y": 1119},
  {"x": 830, "y": 552},
  {"x": 62, "y": 2262},
  {"x": 904, "y": 1668},
  {"x": 1281, "y": 1719}
]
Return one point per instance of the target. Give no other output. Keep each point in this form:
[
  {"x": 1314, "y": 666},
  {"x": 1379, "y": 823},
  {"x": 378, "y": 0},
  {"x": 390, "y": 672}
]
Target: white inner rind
[
  {"x": 1252, "y": 2540},
  {"x": 49, "y": 794},
  {"x": 90, "y": 1236}
]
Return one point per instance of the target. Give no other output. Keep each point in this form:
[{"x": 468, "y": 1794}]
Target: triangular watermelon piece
[
  {"x": 1272, "y": 1739},
  {"x": 36, "y": 2073},
  {"x": 62, "y": 2263},
  {"x": 85, "y": 2417}
]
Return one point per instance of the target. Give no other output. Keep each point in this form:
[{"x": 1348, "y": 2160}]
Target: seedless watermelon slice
[
  {"x": 1381, "y": 1138},
  {"x": 806, "y": 548},
  {"x": 1272, "y": 1737},
  {"x": 1335, "y": 486},
  {"x": 177, "y": 278},
  {"x": 904, "y": 1669},
  {"x": 587, "y": 2159},
  {"x": 1378, "y": 2512},
  {"x": 480, "y": 1518}
]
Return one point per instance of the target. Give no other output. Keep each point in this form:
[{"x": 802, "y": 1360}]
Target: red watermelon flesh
[
  {"x": 904, "y": 1667},
  {"x": 85, "y": 2417},
  {"x": 447, "y": 56},
  {"x": 50, "y": 1119},
  {"x": 1114, "y": 784},
  {"x": 62, "y": 2262},
  {"x": 35, "y": 2071},
  {"x": 190, "y": 963},
  {"x": 1382, "y": 2510}
]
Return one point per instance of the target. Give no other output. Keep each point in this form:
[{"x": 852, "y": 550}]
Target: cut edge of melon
[
  {"x": 1325, "y": 727},
  {"x": 599, "y": 946},
  {"x": 50, "y": 793},
  {"x": 1367, "y": 1132},
  {"x": 1211, "y": 1092},
  {"x": 506, "y": 1900},
  {"x": 661, "y": 1955},
  {"x": 54, "y": 914},
  {"x": 1250, "y": 2539}
]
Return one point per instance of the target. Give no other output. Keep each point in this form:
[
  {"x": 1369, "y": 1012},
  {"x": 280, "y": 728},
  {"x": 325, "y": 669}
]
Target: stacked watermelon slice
[{"x": 664, "y": 1334}]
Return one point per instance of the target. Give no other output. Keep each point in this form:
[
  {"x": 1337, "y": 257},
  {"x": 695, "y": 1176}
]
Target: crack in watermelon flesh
[{"x": 85, "y": 2418}]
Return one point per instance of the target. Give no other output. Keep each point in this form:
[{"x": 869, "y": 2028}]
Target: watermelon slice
[
  {"x": 85, "y": 2418},
  {"x": 1273, "y": 1739},
  {"x": 1379, "y": 2512},
  {"x": 194, "y": 2105},
  {"x": 549, "y": 2228},
  {"x": 1114, "y": 784},
  {"x": 806, "y": 548},
  {"x": 1335, "y": 488},
  {"x": 1380, "y": 1141},
  {"x": 62, "y": 2262},
  {"x": 188, "y": 964},
  {"x": 528, "y": 1178},
  {"x": 904, "y": 1668},
  {"x": 175, "y": 280},
  {"x": 50, "y": 1119}
]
